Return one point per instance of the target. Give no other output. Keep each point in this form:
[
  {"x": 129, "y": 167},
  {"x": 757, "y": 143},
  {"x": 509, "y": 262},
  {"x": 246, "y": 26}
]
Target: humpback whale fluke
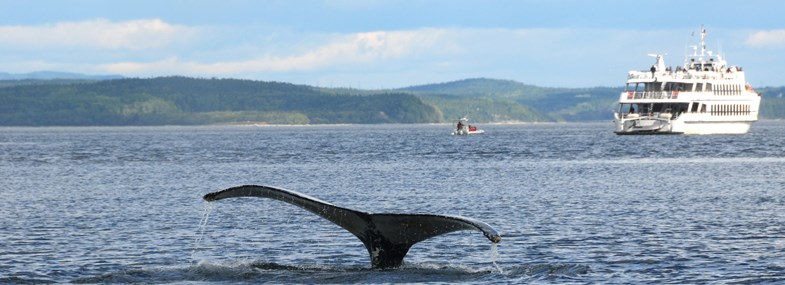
[{"x": 387, "y": 237}]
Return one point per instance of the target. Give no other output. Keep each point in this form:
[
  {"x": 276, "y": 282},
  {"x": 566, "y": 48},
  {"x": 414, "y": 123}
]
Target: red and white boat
[{"x": 462, "y": 128}]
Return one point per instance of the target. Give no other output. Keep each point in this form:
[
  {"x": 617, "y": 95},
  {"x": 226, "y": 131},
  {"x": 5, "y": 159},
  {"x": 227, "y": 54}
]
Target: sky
[{"x": 384, "y": 44}]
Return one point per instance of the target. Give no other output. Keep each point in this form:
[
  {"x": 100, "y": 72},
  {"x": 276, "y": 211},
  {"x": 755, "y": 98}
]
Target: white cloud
[
  {"x": 99, "y": 34},
  {"x": 341, "y": 50},
  {"x": 772, "y": 38},
  {"x": 442, "y": 53}
]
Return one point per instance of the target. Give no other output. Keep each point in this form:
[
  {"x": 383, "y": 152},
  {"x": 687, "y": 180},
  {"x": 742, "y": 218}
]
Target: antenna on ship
[{"x": 703, "y": 42}]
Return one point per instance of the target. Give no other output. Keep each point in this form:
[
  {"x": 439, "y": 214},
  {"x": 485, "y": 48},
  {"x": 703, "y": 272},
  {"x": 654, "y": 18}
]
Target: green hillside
[
  {"x": 186, "y": 101},
  {"x": 772, "y": 102},
  {"x": 492, "y": 100}
]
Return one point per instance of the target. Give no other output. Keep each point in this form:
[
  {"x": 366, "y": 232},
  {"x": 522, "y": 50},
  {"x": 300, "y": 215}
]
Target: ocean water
[{"x": 574, "y": 203}]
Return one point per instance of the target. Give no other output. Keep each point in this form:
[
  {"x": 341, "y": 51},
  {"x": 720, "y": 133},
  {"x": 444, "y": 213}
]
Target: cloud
[
  {"x": 772, "y": 38},
  {"x": 340, "y": 50},
  {"x": 420, "y": 55},
  {"x": 97, "y": 34}
]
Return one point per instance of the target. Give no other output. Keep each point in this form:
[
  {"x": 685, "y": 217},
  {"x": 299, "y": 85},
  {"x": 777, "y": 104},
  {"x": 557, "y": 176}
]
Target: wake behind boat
[
  {"x": 464, "y": 129},
  {"x": 704, "y": 96}
]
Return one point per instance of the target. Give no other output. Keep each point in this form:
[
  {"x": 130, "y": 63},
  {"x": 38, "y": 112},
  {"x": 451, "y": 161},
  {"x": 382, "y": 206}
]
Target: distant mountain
[
  {"x": 475, "y": 87},
  {"x": 51, "y": 75},
  {"x": 772, "y": 102},
  {"x": 491, "y": 100},
  {"x": 190, "y": 101}
]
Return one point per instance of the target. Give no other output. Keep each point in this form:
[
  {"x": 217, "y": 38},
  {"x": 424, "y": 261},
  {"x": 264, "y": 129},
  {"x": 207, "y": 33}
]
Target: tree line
[{"x": 188, "y": 101}]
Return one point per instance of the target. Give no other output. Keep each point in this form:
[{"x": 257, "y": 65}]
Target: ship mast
[
  {"x": 703, "y": 42},
  {"x": 704, "y": 55}
]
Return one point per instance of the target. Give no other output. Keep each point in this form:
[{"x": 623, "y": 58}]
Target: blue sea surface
[{"x": 574, "y": 203}]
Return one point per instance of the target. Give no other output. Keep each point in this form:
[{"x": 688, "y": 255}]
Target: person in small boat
[{"x": 460, "y": 125}]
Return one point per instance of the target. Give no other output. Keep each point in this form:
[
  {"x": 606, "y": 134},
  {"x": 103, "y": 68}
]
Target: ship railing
[
  {"x": 682, "y": 75},
  {"x": 652, "y": 95},
  {"x": 647, "y": 116}
]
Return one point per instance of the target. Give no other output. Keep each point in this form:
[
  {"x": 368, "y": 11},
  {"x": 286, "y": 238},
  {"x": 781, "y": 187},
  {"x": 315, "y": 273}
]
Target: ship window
[
  {"x": 699, "y": 87},
  {"x": 708, "y": 87},
  {"x": 674, "y": 86},
  {"x": 694, "y": 108}
]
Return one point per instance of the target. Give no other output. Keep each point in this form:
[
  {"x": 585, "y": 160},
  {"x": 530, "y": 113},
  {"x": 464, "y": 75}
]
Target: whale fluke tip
[{"x": 209, "y": 197}]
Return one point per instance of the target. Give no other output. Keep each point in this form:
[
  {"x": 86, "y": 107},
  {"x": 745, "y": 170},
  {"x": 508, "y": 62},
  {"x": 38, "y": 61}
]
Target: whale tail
[{"x": 387, "y": 237}]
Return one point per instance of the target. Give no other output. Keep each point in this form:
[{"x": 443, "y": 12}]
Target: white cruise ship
[{"x": 703, "y": 96}]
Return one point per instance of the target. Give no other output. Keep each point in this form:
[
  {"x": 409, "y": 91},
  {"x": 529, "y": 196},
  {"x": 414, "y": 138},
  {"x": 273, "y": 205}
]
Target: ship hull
[{"x": 683, "y": 125}]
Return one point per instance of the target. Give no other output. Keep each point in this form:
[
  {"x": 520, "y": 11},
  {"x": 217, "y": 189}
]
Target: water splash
[
  {"x": 494, "y": 255},
  {"x": 208, "y": 208}
]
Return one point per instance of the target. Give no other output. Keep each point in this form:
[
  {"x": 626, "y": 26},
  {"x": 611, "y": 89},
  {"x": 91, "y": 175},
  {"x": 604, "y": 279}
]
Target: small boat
[
  {"x": 464, "y": 129},
  {"x": 703, "y": 96}
]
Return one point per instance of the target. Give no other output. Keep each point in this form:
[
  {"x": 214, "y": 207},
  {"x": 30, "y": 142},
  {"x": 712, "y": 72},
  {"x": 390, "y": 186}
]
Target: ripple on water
[{"x": 263, "y": 272}]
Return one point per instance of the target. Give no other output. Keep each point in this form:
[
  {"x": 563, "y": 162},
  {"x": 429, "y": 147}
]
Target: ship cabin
[{"x": 668, "y": 92}]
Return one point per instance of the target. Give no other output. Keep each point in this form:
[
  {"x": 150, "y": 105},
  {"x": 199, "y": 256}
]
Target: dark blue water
[{"x": 574, "y": 204}]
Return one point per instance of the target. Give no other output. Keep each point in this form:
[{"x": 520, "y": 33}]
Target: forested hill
[
  {"x": 507, "y": 100},
  {"x": 185, "y": 101}
]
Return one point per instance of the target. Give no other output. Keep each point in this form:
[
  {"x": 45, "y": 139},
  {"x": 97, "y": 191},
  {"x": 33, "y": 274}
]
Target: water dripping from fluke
[
  {"x": 494, "y": 254},
  {"x": 208, "y": 208}
]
